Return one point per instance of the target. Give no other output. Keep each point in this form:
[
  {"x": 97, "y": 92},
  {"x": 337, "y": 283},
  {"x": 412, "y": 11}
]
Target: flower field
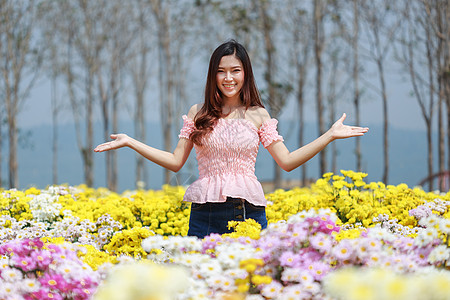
[{"x": 340, "y": 238}]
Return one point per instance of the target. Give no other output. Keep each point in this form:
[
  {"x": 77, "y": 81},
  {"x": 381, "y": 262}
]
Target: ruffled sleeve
[
  {"x": 188, "y": 127},
  {"x": 268, "y": 132}
]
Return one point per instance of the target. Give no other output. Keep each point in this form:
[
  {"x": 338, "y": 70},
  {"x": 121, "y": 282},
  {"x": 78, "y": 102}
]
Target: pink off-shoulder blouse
[{"x": 226, "y": 160}]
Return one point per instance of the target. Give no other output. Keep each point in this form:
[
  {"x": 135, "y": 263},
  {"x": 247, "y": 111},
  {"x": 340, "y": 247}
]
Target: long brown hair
[{"x": 211, "y": 111}]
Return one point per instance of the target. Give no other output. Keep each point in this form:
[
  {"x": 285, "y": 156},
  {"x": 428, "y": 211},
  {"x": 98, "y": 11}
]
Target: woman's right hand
[{"x": 119, "y": 140}]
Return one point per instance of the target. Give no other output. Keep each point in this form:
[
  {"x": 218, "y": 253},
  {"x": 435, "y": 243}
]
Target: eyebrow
[{"x": 233, "y": 67}]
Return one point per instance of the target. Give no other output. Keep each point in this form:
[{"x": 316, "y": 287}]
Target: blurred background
[{"x": 75, "y": 71}]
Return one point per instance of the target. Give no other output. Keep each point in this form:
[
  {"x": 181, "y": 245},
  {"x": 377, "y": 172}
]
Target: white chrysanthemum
[
  {"x": 221, "y": 282},
  {"x": 440, "y": 253},
  {"x": 430, "y": 221},
  {"x": 8, "y": 290},
  {"x": 294, "y": 292},
  {"x": 196, "y": 289},
  {"x": 210, "y": 268},
  {"x": 328, "y": 212},
  {"x": 381, "y": 234},
  {"x": 152, "y": 242},
  {"x": 426, "y": 236},
  {"x": 192, "y": 243},
  {"x": 272, "y": 290},
  {"x": 29, "y": 285},
  {"x": 4, "y": 262},
  {"x": 444, "y": 225},
  {"x": 44, "y": 207},
  {"x": 312, "y": 288},
  {"x": 236, "y": 273},
  {"x": 191, "y": 260},
  {"x": 296, "y": 275},
  {"x": 280, "y": 226},
  {"x": 11, "y": 275},
  {"x": 230, "y": 254}
]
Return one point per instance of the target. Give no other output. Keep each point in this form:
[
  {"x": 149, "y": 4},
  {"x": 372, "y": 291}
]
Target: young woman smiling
[{"x": 226, "y": 130}]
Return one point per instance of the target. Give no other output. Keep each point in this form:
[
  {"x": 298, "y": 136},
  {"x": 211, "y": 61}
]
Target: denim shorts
[{"x": 211, "y": 217}]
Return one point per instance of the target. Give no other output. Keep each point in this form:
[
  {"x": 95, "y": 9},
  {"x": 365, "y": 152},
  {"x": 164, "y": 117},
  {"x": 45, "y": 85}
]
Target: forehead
[{"x": 229, "y": 61}]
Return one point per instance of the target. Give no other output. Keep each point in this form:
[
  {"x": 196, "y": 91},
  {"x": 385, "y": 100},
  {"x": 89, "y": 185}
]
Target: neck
[{"x": 231, "y": 103}]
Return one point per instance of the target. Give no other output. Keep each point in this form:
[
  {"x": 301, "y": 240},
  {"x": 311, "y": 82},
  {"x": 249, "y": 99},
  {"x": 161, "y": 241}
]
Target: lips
[{"x": 229, "y": 86}]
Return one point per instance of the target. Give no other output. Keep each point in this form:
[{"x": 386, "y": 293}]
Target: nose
[{"x": 228, "y": 76}]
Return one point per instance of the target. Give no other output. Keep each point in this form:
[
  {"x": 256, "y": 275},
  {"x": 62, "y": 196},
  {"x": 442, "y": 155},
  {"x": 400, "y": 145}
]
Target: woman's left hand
[{"x": 341, "y": 131}]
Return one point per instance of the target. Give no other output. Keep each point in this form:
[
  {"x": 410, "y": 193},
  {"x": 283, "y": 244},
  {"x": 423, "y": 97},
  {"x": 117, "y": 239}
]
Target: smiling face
[{"x": 230, "y": 77}]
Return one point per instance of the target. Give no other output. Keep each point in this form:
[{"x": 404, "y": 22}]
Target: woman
[{"x": 226, "y": 131}]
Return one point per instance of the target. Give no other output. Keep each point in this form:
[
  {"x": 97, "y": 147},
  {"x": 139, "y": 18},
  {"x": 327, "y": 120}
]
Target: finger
[
  {"x": 113, "y": 136},
  {"x": 362, "y": 129},
  {"x": 103, "y": 147},
  {"x": 344, "y": 115},
  {"x": 99, "y": 148}
]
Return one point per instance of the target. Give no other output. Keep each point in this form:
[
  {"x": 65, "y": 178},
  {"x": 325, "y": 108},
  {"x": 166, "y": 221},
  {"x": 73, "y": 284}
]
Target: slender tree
[
  {"x": 347, "y": 20},
  {"x": 270, "y": 70},
  {"x": 355, "y": 75},
  {"x": 318, "y": 19},
  {"x": 175, "y": 23},
  {"x": 438, "y": 16},
  {"x": 52, "y": 68},
  {"x": 380, "y": 26},
  {"x": 20, "y": 65},
  {"x": 81, "y": 41},
  {"x": 161, "y": 13},
  {"x": 138, "y": 68},
  {"x": 332, "y": 95},
  {"x": 417, "y": 43},
  {"x": 56, "y": 107},
  {"x": 114, "y": 29},
  {"x": 297, "y": 24}
]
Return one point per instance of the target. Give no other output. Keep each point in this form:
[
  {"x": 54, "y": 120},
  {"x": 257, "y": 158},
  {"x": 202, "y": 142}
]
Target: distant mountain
[{"x": 407, "y": 157}]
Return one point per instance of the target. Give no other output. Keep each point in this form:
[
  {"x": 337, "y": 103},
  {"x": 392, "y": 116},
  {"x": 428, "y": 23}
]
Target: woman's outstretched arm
[
  {"x": 172, "y": 161},
  {"x": 288, "y": 161}
]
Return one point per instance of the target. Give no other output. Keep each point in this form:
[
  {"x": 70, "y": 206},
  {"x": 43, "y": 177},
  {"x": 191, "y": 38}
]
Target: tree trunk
[
  {"x": 269, "y": 71},
  {"x": 166, "y": 83},
  {"x": 318, "y": 32},
  {"x": 355, "y": 40},
  {"x": 429, "y": 117},
  {"x": 441, "y": 141},
  {"x": 385, "y": 121},
  {"x": 55, "y": 111},
  {"x": 139, "y": 125},
  {"x": 140, "y": 83},
  {"x": 331, "y": 104},
  {"x": 429, "y": 125},
  {"x": 87, "y": 151},
  {"x": 104, "y": 98},
  {"x": 13, "y": 164},
  {"x": 115, "y": 128},
  {"x": 20, "y": 63},
  {"x": 1, "y": 150},
  {"x": 441, "y": 28},
  {"x": 169, "y": 104},
  {"x": 301, "y": 107}
]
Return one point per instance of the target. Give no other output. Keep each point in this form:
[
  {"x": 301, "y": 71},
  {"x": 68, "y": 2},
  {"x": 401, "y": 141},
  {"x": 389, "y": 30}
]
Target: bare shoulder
[
  {"x": 257, "y": 115},
  {"x": 193, "y": 111}
]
